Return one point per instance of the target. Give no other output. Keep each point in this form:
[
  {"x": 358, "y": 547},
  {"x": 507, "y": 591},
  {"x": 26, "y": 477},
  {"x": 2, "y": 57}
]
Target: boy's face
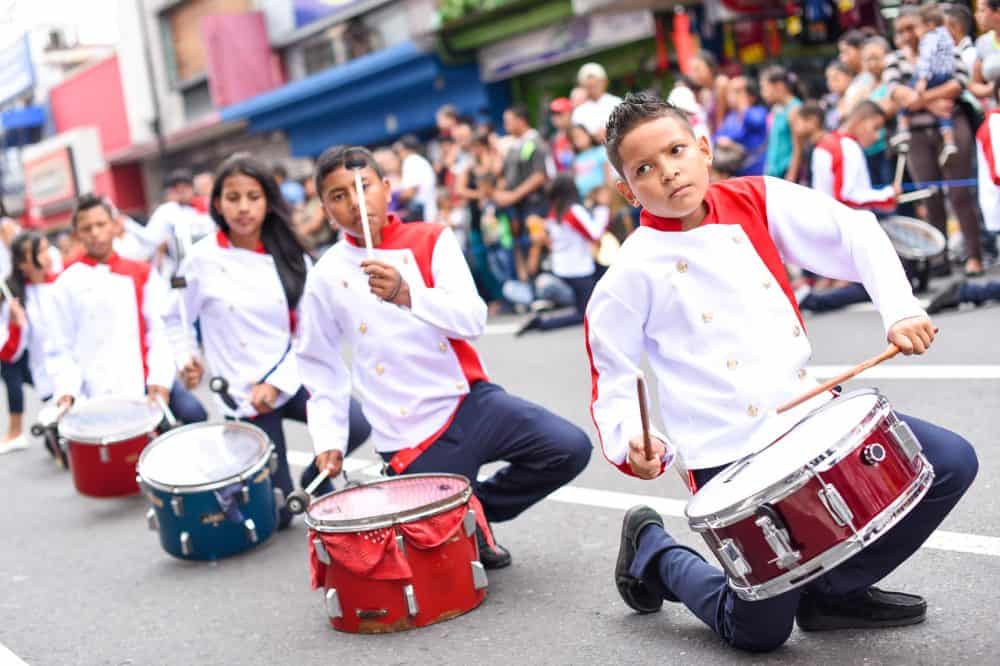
[
  {"x": 340, "y": 200},
  {"x": 665, "y": 169},
  {"x": 95, "y": 229},
  {"x": 866, "y": 131}
]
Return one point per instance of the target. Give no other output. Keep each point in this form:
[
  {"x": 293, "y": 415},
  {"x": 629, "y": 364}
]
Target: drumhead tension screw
[{"x": 873, "y": 454}]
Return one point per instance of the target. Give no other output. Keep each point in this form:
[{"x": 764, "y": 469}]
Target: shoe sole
[{"x": 837, "y": 624}]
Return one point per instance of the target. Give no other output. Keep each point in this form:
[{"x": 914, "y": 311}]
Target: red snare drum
[
  {"x": 104, "y": 437},
  {"x": 833, "y": 484},
  {"x": 396, "y": 553}
]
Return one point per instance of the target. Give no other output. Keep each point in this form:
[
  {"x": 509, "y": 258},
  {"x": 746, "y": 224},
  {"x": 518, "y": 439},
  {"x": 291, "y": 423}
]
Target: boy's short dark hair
[
  {"x": 961, "y": 15},
  {"x": 179, "y": 177},
  {"x": 338, "y": 157},
  {"x": 813, "y": 110},
  {"x": 865, "y": 109},
  {"x": 86, "y": 202},
  {"x": 521, "y": 111},
  {"x": 279, "y": 171},
  {"x": 637, "y": 109},
  {"x": 853, "y": 38}
]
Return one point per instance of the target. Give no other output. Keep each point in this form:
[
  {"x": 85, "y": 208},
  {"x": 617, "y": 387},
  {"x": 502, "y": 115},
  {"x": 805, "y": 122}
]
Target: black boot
[
  {"x": 496, "y": 557},
  {"x": 870, "y": 609}
]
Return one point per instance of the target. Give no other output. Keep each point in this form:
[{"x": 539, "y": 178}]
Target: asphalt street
[{"x": 82, "y": 581}]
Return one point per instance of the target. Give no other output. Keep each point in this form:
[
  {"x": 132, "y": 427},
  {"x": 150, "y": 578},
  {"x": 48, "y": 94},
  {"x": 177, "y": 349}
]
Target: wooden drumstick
[
  {"x": 900, "y": 168},
  {"x": 640, "y": 388},
  {"x": 356, "y": 164},
  {"x": 890, "y": 351},
  {"x": 916, "y": 195}
]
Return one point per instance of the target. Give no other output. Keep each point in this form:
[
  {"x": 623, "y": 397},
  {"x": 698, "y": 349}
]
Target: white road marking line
[
  {"x": 503, "y": 329},
  {"x": 8, "y": 658},
  {"x": 913, "y": 371},
  {"x": 956, "y": 542}
]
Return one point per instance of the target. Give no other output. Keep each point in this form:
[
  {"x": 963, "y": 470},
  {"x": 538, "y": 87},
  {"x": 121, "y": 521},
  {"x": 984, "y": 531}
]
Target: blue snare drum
[{"x": 209, "y": 486}]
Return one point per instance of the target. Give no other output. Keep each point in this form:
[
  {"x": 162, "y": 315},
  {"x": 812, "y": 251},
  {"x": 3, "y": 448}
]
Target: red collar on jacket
[
  {"x": 648, "y": 219},
  {"x": 391, "y": 222},
  {"x": 223, "y": 240},
  {"x": 90, "y": 261}
]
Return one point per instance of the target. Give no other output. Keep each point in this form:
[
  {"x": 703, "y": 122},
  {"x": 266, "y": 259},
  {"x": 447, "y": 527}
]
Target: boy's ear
[
  {"x": 627, "y": 193},
  {"x": 706, "y": 149}
]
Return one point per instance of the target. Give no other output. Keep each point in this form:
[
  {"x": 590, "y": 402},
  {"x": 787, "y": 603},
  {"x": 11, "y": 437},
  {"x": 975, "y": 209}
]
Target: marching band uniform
[
  {"x": 714, "y": 312},
  {"x": 247, "y": 330},
  {"x": 106, "y": 337},
  {"x": 421, "y": 383},
  {"x": 16, "y": 341},
  {"x": 839, "y": 170}
]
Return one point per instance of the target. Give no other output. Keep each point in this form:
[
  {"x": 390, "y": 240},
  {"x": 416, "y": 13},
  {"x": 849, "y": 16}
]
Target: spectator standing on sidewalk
[
  {"x": 777, "y": 87},
  {"x": 418, "y": 183},
  {"x": 594, "y": 113}
]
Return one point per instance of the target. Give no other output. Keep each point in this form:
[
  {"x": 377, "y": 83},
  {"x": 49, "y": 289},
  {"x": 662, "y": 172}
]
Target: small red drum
[
  {"x": 396, "y": 553},
  {"x": 838, "y": 480},
  {"x": 104, "y": 437}
]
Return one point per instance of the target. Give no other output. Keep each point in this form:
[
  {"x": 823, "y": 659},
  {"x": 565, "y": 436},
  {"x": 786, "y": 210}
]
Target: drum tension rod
[{"x": 777, "y": 536}]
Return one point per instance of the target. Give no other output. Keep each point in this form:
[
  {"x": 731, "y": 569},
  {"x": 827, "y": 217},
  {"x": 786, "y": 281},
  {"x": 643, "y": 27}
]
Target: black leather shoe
[
  {"x": 946, "y": 299},
  {"x": 633, "y": 591},
  {"x": 496, "y": 557},
  {"x": 870, "y": 609}
]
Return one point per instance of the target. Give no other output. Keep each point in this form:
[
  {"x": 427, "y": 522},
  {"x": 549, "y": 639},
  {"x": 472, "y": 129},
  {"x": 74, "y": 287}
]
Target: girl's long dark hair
[
  {"x": 24, "y": 246},
  {"x": 276, "y": 233},
  {"x": 562, "y": 194}
]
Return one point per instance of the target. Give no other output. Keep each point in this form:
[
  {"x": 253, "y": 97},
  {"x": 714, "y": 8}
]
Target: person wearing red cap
[{"x": 560, "y": 145}]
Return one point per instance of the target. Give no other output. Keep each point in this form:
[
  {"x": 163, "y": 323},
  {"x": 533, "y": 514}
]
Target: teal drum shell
[{"x": 209, "y": 489}]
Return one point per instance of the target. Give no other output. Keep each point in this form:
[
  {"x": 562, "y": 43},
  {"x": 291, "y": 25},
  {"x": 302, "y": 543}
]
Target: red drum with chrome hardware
[
  {"x": 838, "y": 480},
  {"x": 104, "y": 437},
  {"x": 397, "y": 553}
]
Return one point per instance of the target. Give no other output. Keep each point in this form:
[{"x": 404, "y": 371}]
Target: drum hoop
[
  {"x": 386, "y": 520},
  {"x": 788, "y": 485},
  {"x": 66, "y": 430},
  {"x": 922, "y": 227},
  {"x": 249, "y": 472}
]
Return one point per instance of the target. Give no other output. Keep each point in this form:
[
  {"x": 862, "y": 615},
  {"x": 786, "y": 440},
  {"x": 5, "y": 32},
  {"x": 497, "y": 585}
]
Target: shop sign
[
  {"x": 565, "y": 41},
  {"x": 17, "y": 75},
  {"x": 50, "y": 182}
]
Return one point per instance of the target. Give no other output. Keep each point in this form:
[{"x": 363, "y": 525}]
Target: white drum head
[
  {"x": 203, "y": 454},
  {"x": 100, "y": 420},
  {"x": 808, "y": 440}
]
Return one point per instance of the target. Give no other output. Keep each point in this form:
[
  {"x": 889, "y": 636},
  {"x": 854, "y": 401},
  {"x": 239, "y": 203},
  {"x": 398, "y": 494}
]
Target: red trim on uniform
[
  {"x": 573, "y": 222},
  {"x": 832, "y": 143},
  {"x": 741, "y": 201},
  {"x": 9, "y": 349},
  {"x": 223, "y": 240},
  {"x": 983, "y": 136},
  {"x": 405, "y": 457}
]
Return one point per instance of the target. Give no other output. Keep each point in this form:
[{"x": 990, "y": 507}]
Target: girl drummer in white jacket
[
  {"x": 244, "y": 285},
  {"x": 22, "y": 329}
]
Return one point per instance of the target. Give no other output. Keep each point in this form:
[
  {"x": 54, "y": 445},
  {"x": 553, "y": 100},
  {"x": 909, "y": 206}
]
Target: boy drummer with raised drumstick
[{"x": 701, "y": 289}]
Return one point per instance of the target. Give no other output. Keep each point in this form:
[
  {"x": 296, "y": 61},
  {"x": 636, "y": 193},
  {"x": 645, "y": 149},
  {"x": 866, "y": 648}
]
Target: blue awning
[
  {"x": 21, "y": 126},
  {"x": 370, "y": 100}
]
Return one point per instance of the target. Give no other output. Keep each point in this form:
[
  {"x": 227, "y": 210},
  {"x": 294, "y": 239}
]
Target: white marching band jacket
[
  {"x": 839, "y": 170},
  {"x": 15, "y": 340},
  {"x": 246, "y": 324},
  {"x": 713, "y": 311},
  {"x": 411, "y": 367},
  {"x": 572, "y": 240},
  {"x": 105, "y": 333},
  {"x": 987, "y": 151}
]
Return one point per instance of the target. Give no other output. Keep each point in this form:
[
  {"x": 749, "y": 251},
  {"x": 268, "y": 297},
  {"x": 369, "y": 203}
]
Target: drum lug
[
  {"x": 321, "y": 553},
  {"x": 732, "y": 557},
  {"x": 836, "y": 506},
  {"x": 873, "y": 454},
  {"x": 251, "y": 529},
  {"x": 907, "y": 441},
  {"x": 105, "y": 454},
  {"x": 411, "y": 601},
  {"x": 400, "y": 544},
  {"x": 469, "y": 522},
  {"x": 151, "y": 520},
  {"x": 177, "y": 505},
  {"x": 272, "y": 463},
  {"x": 333, "y": 604},
  {"x": 245, "y": 495},
  {"x": 479, "y": 580},
  {"x": 186, "y": 547},
  {"x": 777, "y": 538}
]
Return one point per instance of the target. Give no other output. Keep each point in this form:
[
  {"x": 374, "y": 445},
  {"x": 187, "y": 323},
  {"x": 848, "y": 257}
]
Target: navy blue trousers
[
  {"x": 979, "y": 293},
  {"x": 834, "y": 299},
  {"x": 15, "y": 376},
  {"x": 545, "y": 451},
  {"x": 295, "y": 409},
  {"x": 582, "y": 288},
  {"x": 761, "y": 626},
  {"x": 186, "y": 407}
]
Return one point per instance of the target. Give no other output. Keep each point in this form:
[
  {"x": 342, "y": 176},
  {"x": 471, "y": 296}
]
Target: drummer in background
[
  {"x": 700, "y": 288},
  {"x": 105, "y": 332},
  {"x": 175, "y": 217},
  {"x": 988, "y": 173},
  {"x": 23, "y": 329},
  {"x": 244, "y": 285},
  {"x": 408, "y": 316},
  {"x": 839, "y": 170}
]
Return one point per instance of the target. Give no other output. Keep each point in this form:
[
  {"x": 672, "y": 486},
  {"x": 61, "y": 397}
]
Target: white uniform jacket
[
  {"x": 246, "y": 324},
  {"x": 15, "y": 340},
  {"x": 106, "y": 333},
  {"x": 411, "y": 366},
  {"x": 988, "y": 149},
  {"x": 713, "y": 311},
  {"x": 839, "y": 170},
  {"x": 573, "y": 238}
]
